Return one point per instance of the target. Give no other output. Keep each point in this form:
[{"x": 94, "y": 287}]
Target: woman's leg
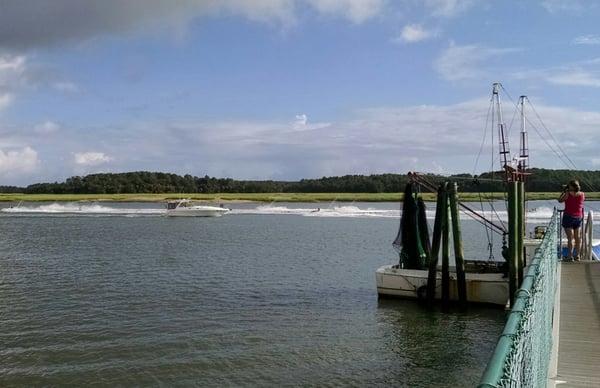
[
  {"x": 569, "y": 233},
  {"x": 577, "y": 248}
]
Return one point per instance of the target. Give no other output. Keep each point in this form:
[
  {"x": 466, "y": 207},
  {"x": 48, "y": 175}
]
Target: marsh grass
[{"x": 261, "y": 197}]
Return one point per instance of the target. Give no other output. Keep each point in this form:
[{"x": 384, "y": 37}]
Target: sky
[{"x": 292, "y": 89}]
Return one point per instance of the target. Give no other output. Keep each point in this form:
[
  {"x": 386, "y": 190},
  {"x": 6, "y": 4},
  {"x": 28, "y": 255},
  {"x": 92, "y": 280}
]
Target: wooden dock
[{"x": 579, "y": 329}]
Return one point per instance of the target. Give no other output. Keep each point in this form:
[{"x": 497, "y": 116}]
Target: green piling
[
  {"x": 513, "y": 231},
  {"x": 435, "y": 245},
  {"x": 445, "y": 251},
  {"x": 520, "y": 231},
  {"x": 461, "y": 281}
]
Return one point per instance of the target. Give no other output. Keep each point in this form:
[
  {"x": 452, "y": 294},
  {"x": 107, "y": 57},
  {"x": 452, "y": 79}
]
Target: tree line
[{"x": 139, "y": 182}]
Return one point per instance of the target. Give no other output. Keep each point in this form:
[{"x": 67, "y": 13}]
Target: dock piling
[
  {"x": 445, "y": 250},
  {"x": 513, "y": 232},
  {"x": 461, "y": 282},
  {"x": 435, "y": 245}
]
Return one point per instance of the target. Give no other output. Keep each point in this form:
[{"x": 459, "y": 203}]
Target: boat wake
[
  {"x": 80, "y": 209},
  {"x": 336, "y": 211},
  {"x": 535, "y": 215}
]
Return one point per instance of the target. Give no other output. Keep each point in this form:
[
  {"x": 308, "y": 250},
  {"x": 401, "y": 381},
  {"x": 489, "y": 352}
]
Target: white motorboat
[{"x": 186, "y": 208}]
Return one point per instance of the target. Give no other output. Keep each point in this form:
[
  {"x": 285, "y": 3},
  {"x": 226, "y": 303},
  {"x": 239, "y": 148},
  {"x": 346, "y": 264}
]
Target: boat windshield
[{"x": 172, "y": 205}]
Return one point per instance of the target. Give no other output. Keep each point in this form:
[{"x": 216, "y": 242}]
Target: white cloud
[
  {"x": 11, "y": 77},
  {"x": 357, "y": 11},
  {"x": 46, "y": 127},
  {"x": 466, "y": 62},
  {"x": 587, "y": 40},
  {"x": 91, "y": 158},
  {"x": 14, "y": 162},
  {"x": 370, "y": 142},
  {"x": 375, "y": 140},
  {"x": 301, "y": 124},
  {"x": 18, "y": 73},
  {"x": 448, "y": 8},
  {"x": 583, "y": 73},
  {"x": 5, "y": 100},
  {"x": 562, "y": 6},
  {"x": 66, "y": 87},
  {"x": 412, "y": 33},
  {"x": 575, "y": 78},
  {"x": 12, "y": 68},
  {"x": 301, "y": 120},
  {"x": 9, "y": 63}
]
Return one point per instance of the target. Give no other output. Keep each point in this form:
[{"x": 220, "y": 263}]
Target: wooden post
[
  {"x": 520, "y": 231},
  {"x": 461, "y": 281},
  {"x": 435, "y": 245},
  {"x": 445, "y": 251},
  {"x": 512, "y": 240}
]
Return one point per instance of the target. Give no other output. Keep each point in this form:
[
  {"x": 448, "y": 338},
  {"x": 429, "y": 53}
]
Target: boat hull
[
  {"x": 199, "y": 212},
  {"x": 488, "y": 288}
]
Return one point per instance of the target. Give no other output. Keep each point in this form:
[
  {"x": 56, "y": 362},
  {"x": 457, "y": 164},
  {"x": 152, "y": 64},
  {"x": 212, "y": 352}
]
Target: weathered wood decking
[{"x": 579, "y": 330}]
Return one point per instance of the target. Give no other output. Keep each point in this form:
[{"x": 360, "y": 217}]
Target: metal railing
[{"x": 522, "y": 355}]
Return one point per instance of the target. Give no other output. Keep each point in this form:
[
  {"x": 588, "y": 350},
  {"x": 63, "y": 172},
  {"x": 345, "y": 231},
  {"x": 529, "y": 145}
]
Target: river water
[{"x": 268, "y": 295}]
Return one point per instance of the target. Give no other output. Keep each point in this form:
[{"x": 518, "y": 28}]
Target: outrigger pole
[
  {"x": 523, "y": 144},
  {"x": 502, "y": 139},
  {"x": 521, "y": 176},
  {"x": 515, "y": 186}
]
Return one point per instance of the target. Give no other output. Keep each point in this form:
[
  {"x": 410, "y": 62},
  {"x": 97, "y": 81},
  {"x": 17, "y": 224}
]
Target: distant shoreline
[{"x": 260, "y": 197}]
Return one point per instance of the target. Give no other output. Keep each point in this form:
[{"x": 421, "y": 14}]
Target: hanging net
[{"x": 412, "y": 241}]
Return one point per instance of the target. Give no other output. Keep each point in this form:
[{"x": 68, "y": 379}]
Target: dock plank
[{"x": 579, "y": 330}]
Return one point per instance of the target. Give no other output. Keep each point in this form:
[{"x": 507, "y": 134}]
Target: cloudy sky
[{"x": 289, "y": 89}]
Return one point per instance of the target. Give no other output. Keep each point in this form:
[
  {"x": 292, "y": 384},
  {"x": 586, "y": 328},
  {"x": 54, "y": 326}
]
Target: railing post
[{"x": 559, "y": 231}]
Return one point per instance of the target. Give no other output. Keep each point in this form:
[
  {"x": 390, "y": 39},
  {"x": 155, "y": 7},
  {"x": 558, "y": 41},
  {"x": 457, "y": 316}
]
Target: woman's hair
[{"x": 575, "y": 185}]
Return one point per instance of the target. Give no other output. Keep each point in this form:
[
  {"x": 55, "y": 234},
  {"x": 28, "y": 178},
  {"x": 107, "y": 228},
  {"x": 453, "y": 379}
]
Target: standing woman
[{"x": 573, "y": 198}]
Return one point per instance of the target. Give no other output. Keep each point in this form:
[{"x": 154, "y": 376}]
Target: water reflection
[{"x": 424, "y": 340}]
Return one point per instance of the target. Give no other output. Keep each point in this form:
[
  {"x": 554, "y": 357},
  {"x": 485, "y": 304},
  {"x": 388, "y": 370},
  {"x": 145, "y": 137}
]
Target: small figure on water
[{"x": 573, "y": 198}]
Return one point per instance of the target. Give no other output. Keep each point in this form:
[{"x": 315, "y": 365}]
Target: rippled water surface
[{"x": 253, "y": 298}]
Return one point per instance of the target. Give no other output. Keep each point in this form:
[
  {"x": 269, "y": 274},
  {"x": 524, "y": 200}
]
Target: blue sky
[{"x": 289, "y": 89}]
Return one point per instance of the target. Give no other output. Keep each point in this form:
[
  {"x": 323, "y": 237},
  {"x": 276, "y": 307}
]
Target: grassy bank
[{"x": 259, "y": 197}]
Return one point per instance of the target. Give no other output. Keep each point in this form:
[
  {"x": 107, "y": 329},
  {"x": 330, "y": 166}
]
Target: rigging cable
[
  {"x": 558, "y": 154},
  {"x": 487, "y": 118},
  {"x": 550, "y": 133},
  {"x": 562, "y": 155},
  {"x": 488, "y": 231}
]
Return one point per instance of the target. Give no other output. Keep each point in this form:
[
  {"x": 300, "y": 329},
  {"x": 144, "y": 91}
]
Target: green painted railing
[{"x": 522, "y": 355}]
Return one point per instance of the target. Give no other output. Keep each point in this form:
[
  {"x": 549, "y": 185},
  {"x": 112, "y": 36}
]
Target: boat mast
[
  {"x": 502, "y": 138},
  {"x": 523, "y": 146}
]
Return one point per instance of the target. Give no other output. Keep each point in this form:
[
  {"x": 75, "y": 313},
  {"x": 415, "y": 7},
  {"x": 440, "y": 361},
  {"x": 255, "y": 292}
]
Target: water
[{"x": 264, "y": 296}]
